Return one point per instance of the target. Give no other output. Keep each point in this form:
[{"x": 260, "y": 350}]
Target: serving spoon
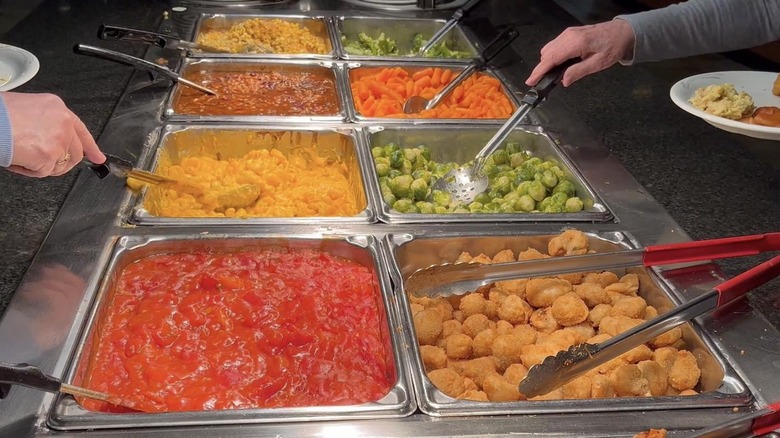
[
  {"x": 452, "y": 22},
  {"x": 415, "y": 104},
  {"x": 466, "y": 182},
  {"x": 132, "y": 61}
]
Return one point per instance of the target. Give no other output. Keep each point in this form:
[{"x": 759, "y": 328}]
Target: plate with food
[
  {"x": 742, "y": 102},
  {"x": 17, "y": 66}
]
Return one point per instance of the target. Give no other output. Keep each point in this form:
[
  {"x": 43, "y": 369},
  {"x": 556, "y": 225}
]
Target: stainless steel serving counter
[{"x": 45, "y": 320}]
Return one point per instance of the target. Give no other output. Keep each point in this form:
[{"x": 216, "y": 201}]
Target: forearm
[
  {"x": 703, "y": 26},
  {"x": 6, "y": 137}
]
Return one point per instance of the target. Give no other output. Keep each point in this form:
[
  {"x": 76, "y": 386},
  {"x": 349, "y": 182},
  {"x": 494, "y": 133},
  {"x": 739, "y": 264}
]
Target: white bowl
[
  {"x": 17, "y": 66},
  {"x": 757, "y": 84}
]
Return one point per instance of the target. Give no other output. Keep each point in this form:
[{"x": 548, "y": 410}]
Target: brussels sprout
[
  {"x": 394, "y": 173},
  {"x": 504, "y": 168},
  {"x": 384, "y": 187},
  {"x": 538, "y": 176},
  {"x": 559, "y": 198},
  {"x": 524, "y": 174},
  {"x": 491, "y": 170},
  {"x": 476, "y": 207},
  {"x": 382, "y": 169},
  {"x": 422, "y": 174},
  {"x": 410, "y": 154},
  {"x": 500, "y": 156},
  {"x": 382, "y": 160},
  {"x": 419, "y": 189},
  {"x": 439, "y": 170},
  {"x": 522, "y": 189},
  {"x": 483, "y": 198},
  {"x": 401, "y": 186},
  {"x": 565, "y": 186},
  {"x": 553, "y": 208},
  {"x": 547, "y": 165},
  {"x": 425, "y": 151},
  {"x": 383, "y": 180},
  {"x": 461, "y": 209},
  {"x": 420, "y": 163},
  {"x": 573, "y": 205},
  {"x": 525, "y": 203},
  {"x": 438, "y": 209},
  {"x": 403, "y": 205},
  {"x": 506, "y": 207},
  {"x": 441, "y": 198},
  {"x": 544, "y": 203},
  {"x": 491, "y": 207},
  {"x": 406, "y": 167},
  {"x": 377, "y": 151},
  {"x": 517, "y": 159},
  {"x": 425, "y": 207},
  {"x": 490, "y": 160},
  {"x": 389, "y": 199},
  {"x": 396, "y": 159},
  {"x": 390, "y": 148},
  {"x": 494, "y": 194},
  {"x": 549, "y": 179},
  {"x": 512, "y": 147},
  {"x": 558, "y": 172},
  {"x": 537, "y": 190},
  {"x": 532, "y": 162},
  {"x": 502, "y": 185}
]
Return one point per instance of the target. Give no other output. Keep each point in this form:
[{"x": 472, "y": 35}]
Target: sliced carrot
[
  {"x": 423, "y": 82},
  {"x": 409, "y": 88},
  {"x": 446, "y": 76},
  {"x": 422, "y": 73},
  {"x": 436, "y": 77}
]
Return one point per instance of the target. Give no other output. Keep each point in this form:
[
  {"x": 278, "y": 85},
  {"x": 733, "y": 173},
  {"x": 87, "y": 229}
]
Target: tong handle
[
  {"x": 108, "y": 32},
  {"x": 768, "y": 422},
  {"x": 458, "y": 15},
  {"x": 539, "y": 92},
  {"x": 495, "y": 47},
  {"x": 743, "y": 283},
  {"x": 123, "y": 58},
  {"x": 118, "y": 166},
  {"x": 711, "y": 249},
  {"x": 27, "y": 375}
]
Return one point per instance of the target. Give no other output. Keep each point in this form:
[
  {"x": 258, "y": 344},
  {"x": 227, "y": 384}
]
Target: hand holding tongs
[
  {"x": 118, "y": 33},
  {"x": 557, "y": 370},
  {"x": 133, "y": 61},
  {"x": 455, "y": 279}
]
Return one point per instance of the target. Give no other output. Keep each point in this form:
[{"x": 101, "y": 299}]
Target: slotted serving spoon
[
  {"x": 415, "y": 104},
  {"x": 123, "y": 58},
  {"x": 567, "y": 365},
  {"x": 32, "y": 377},
  {"x": 466, "y": 182},
  {"x": 451, "y": 23},
  {"x": 119, "y": 33},
  {"x": 455, "y": 279}
]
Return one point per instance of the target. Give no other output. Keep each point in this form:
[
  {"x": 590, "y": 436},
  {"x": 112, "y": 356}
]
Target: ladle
[
  {"x": 466, "y": 182},
  {"x": 452, "y": 22},
  {"x": 126, "y": 59},
  {"x": 32, "y": 377},
  {"x": 415, "y": 104}
]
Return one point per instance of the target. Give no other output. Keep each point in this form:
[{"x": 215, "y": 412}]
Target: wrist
[{"x": 627, "y": 37}]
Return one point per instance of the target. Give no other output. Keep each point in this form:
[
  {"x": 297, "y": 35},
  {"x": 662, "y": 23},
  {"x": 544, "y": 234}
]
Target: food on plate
[
  {"x": 764, "y": 116},
  {"x": 299, "y": 184},
  {"x": 384, "y": 46},
  {"x": 776, "y": 86},
  {"x": 723, "y": 100},
  {"x": 652, "y": 433},
  {"x": 259, "y": 35},
  {"x": 518, "y": 183},
  {"x": 267, "y": 328},
  {"x": 255, "y": 93},
  {"x": 537, "y": 318},
  {"x": 382, "y": 92}
]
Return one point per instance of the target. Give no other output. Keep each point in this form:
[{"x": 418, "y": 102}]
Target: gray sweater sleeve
[{"x": 695, "y": 27}]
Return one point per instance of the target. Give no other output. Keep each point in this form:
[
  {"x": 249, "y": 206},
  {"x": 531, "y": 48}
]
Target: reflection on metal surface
[{"x": 405, "y": 5}]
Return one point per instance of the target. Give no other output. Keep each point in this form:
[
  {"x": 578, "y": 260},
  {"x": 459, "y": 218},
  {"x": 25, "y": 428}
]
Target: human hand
[
  {"x": 48, "y": 139},
  {"x": 600, "y": 46}
]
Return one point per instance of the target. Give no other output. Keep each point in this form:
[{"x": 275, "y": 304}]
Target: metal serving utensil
[
  {"x": 557, "y": 370},
  {"x": 119, "y": 33},
  {"x": 32, "y": 377},
  {"x": 455, "y": 279},
  {"x": 415, "y": 104},
  {"x": 466, "y": 182},
  {"x": 124, "y": 169},
  {"x": 132, "y": 61},
  {"x": 451, "y": 23}
]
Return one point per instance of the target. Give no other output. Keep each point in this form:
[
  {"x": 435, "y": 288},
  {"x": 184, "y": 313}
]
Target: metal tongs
[
  {"x": 451, "y": 23},
  {"x": 557, "y": 370},
  {"x": 455, "y": 279},
  {"x": 32, "y": 377},
  {"x": 118, "y": 33},
  {"x": 124, "y": 169}
]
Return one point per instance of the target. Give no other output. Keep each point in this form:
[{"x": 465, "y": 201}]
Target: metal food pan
[
  {"x": 67, "y": 414},
  {"x": 461, "y": 144},
  {"x": 402, "y": 30},
  {"x": 317, "y": 25},
  {"x": 355, "y": 70},
  {"x": 329, "y": 68},
  {"x": 178, "y": 141},
  {"x": 719, "y": 385}
]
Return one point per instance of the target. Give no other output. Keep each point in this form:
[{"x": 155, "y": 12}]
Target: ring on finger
[{"x": 64, "y": 159}]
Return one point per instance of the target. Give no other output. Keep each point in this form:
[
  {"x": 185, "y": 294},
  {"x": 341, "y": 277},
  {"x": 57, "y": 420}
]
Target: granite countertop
[{"x": 712, "y": 183}]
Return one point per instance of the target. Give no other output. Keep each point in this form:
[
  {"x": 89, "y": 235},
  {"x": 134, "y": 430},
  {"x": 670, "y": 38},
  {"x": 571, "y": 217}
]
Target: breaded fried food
[
  {"x": 541, "y": 292},
  {"x": 628, "y": 381},
  {"x": 448, "y": 381},
  {"x": 428, "y": 325},
  {"x": 433, "y": 357},
  {"x": 504, "y": 256},
  {"x": 652, "y": 433},
  {"x": 507, "y": 349},
  {"x": 582, "y": 331},
  {"x": 598, "y": 313},
  {"x": 570, "y": 242},
  {"x": 593, "y": 294},
  {"x": 475, "y": 324},
  {"x": 476, "y": 369},
  {"x": 569, "y": 309},
  {"x": 459, "y": 346},
  {"x": 474, "y": 395},
  {"x": 578, "y": 389},
  {"x": 543, "y": 321},
  {"x": 483, "y": 343},
  {"x": 601, "y": 386},
  {"x": 515, "y": 373},
  {"x": 685, "y": 372},
  {"x": 499, "y": 389},
  {"x": 632, "y": 307},
  {"x": 515, "y": 310},
  {"x": 472, "y": 304},
  {"x": 656, "y": 376}
]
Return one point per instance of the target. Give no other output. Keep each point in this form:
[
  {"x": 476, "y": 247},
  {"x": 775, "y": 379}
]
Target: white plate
[
  {"x": 757, "y": 84},
  {"x": 17, "y": 66}
]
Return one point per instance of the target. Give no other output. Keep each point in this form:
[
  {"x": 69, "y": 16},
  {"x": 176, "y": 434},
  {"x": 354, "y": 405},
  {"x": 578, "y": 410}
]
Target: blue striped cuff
[{"x": 6, "y": 137}]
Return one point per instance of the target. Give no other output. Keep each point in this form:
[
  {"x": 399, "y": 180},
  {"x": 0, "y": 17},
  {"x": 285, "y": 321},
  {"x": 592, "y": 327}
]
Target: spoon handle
[{"x": 456, "y": 17}]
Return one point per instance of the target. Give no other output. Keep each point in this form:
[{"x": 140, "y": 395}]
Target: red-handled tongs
[
  {"x": 557, "y": 370},
  {"x": 762, "y": 422},
  {"x": 455, "y": 279}
]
